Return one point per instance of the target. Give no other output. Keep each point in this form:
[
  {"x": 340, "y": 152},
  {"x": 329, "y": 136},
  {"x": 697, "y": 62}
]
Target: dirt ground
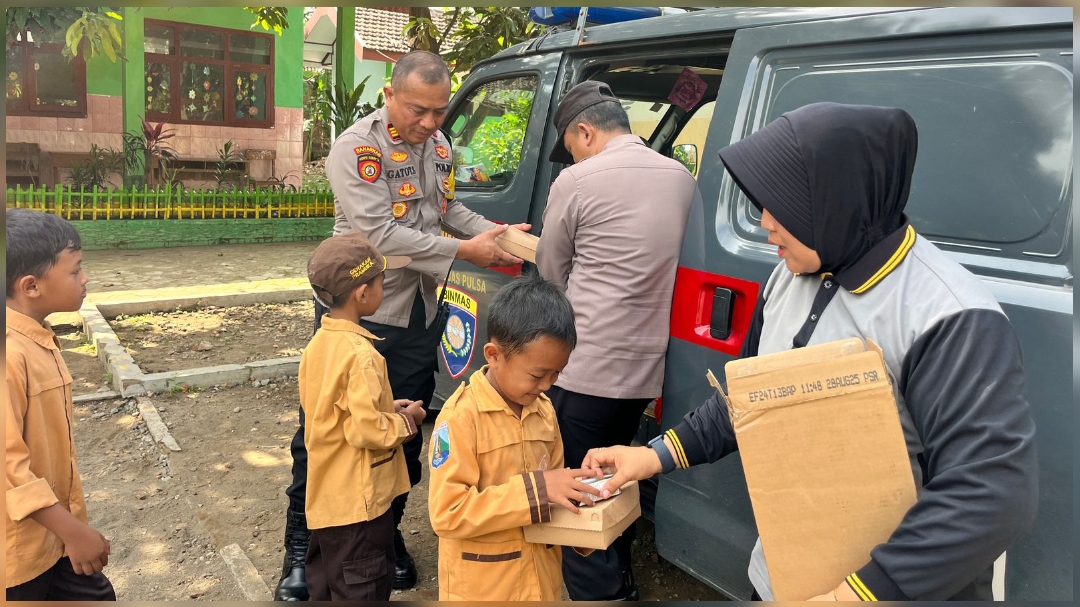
[
  {"x": 171, "y": 341},
  {"x": 168, "y": 514}
]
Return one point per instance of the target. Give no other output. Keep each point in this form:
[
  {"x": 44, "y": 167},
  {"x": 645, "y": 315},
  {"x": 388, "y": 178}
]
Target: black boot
[
  {"x": 629, "y": 589},
  {"x": 404, "y": 568},
  {"x": 293, "y": 586}
]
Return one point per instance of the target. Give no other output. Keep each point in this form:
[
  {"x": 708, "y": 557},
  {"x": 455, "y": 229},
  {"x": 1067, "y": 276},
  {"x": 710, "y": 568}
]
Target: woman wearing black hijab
[{"x": 831, "y": 181}]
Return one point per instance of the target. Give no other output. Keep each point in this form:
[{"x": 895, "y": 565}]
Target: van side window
[
  {"x": 644, "y": 116},
  {"x": 690, "y": 143},
  {"x": 489, "y": 130},
  {"x": 994, "y": 170}
]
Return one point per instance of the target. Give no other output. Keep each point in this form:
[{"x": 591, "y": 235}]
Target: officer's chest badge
[
  {"x": 448, "y": 186},
  {"x": 400, "y": 209},
  {"x": 399, "y": 156},
  {"x": 406, "y": 189},
  {"x": 442, "y": 152}
]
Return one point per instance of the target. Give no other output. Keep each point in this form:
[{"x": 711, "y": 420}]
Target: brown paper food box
[
  {"x": 519, "y": 244},
  {"x": 824, "y": 458},
  {"x": 594, "y": 527}
]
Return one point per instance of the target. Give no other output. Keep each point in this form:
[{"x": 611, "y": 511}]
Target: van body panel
[
  {"x": 991, "y": 92},
  {"x": 1036, "y": 291}
]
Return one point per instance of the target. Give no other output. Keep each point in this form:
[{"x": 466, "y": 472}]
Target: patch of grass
[
  {"x": 85, "y": 347},
  {"x": 177, "y": 388},
  {"x": 136, "y": 320},
  {"x": 107, "y": 378}
]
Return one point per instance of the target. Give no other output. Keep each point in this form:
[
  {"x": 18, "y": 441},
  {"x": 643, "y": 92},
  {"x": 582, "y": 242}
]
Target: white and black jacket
[{"x": 958, "y": 374}]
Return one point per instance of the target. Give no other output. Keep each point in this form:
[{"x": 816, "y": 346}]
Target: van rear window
[{"x": 994, "y": 171}]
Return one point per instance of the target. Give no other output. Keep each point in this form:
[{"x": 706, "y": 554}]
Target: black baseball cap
[{"x": 583, "y": 95}]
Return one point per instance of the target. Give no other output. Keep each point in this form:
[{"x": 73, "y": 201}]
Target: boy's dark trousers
[
  {"x": 587, "y": 422},
  {"x": 411, "y": 363},
  {"x": 352, "y": 562},
  {"x": 61, "y": 583}
]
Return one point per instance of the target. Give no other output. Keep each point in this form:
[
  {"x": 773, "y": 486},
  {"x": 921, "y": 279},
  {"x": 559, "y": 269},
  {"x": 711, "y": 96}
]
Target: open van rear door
[
  {"x": 991, "y": 92},
  {"x": 495, "y": 123}
]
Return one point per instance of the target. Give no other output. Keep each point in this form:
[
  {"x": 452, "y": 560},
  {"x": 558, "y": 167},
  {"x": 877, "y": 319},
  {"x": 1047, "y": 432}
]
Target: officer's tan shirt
[
  {"x": 613, "y": 230},
  {"x": 485, "y": 489},
  {"x": 353, "y": 436},
  {"x": 399, "y": 196},
  {"x": 40, "y": 443}
]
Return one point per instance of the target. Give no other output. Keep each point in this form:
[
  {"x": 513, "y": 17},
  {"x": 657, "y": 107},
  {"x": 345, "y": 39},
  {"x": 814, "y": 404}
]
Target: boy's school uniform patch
[{"x": 440, "y": 449}]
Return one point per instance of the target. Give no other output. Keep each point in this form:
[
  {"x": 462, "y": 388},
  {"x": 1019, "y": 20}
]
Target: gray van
[{"x": 991, "y": 90}]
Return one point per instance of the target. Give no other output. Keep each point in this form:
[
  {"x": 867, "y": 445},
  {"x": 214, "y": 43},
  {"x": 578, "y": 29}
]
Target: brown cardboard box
[
  {"x": 594, "y": 527},
  {"x": 518, "y": 243},
  {"x": 825, "y": 460}
]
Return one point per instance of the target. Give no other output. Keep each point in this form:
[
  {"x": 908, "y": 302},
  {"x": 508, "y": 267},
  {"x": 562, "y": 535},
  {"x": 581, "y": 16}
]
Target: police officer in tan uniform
[{"x": 392, "y": 176}]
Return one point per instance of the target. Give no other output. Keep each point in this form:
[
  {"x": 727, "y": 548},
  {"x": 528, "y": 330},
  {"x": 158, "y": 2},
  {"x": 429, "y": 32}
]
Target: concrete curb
[
  {"x": 130, "y": 380},
  {"x": 93, "y": 398},
  {"x": 157, "y": 428},
  {"x": 247, "y": 576}
]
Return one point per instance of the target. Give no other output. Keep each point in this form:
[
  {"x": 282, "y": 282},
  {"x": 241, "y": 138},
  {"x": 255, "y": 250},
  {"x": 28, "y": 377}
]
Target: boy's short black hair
[
  {"x": 526, "y": 310},
  {"x": 34, "y": 243}
]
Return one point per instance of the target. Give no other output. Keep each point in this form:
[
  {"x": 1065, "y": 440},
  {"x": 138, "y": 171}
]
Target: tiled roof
[{"x": 380, "y": 28}]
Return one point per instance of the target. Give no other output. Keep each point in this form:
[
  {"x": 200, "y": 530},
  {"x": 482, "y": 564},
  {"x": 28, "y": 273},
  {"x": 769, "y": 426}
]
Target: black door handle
[{"x": 722, "y": 307}]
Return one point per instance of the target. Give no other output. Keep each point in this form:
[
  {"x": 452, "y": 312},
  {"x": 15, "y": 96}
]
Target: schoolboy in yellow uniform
[
  {"x": 353, "y": 429},
  {"x": 497, "y": 457},
  {"x": 52, "y": 553}
]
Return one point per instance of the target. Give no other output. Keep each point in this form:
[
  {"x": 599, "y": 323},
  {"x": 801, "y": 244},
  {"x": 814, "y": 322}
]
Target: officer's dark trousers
[
  {"x": 411, "y": 364},
  {"x": 587, "y": 422}
]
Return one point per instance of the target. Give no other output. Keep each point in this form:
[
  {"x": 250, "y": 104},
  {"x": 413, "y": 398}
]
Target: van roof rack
[{"x": 559, "y": 18}]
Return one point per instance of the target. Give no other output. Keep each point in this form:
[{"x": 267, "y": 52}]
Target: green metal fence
[{"x": 171, "y": 203}]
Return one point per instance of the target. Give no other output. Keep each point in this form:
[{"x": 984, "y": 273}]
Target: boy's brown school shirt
[
  {"x": 486, "y": 484},
  {"x": 40, "y": 458},
  {"x": 352, "y": 433}
]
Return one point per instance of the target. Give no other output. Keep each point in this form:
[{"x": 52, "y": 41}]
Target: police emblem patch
[
  {"x": 392, "y": 132},
  {"x": 459, "y": 337},
  {"x": 368, "y": 163},
  {"x": 448, "y": 186},
  {"x": 406, "y": 189},
  {"x": 400, "y": 209},
  {"x": 399, "y": 156},
  {"x": 369, "y": 169},
  {"x": 440, "y": 445},
  {"x": 442, "y": 152}
]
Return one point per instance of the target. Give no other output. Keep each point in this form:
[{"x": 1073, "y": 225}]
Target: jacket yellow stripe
[
  {"x": 855, "y": 589},
  {"x": 679, "y": 452},
  {"x": 897, "y": 257},
  {"x": 860, "y": 588},
  {"x": 675, "y": 443}
]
